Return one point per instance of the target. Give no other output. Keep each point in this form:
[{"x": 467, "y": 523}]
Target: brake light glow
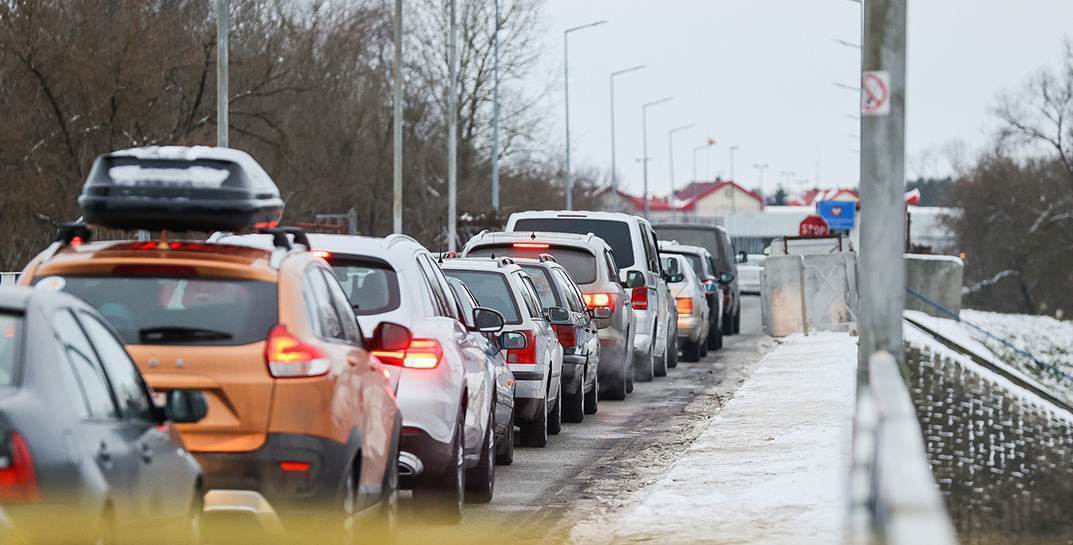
[
  {"x": 525, "y": 355},
  {"x": 684, "y": 304},
  {"x": 639, "y": 298},
  {"x": 593, "y": 300},
  {"x": 295, "y": 467},
  {"x": 77, "y": 241},
  {"x": 290, "y": 357},
  {"x": 532, "y": 245},
  {"x": 421, "y": 354},
  {"x": 567, "y": 335},
  {"x": 18, "y": 477},
  {"x": 323, "y": 254}
]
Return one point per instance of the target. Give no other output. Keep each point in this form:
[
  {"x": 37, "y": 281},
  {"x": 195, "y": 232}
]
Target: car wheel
[
  {"x": 505, "y": 447},
  {"x": 672, "y": 353},
  {"x": 443, "y": 498},
  {"x": 592, "y": 399},
  {"x": 481, "y": 480},
  {"x": 575, "y": 406},
  {"x": 703, "y": 344},
  {"x": 535, "y": 433},
  {"x": 728, "y": 325},
  {"x": 715, "y": 336},
  {"x": 691, "y": 351},
  {"x": 659, "y": 365},
  {"x": 645, "y": 370},
  {"x": 737, "y": 322},
  {"x": 555, "y": 417},
  {"x": 631, "y": 373}
]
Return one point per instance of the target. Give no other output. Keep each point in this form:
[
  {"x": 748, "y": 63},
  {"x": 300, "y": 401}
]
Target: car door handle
[{"x": 147, "y": 453}]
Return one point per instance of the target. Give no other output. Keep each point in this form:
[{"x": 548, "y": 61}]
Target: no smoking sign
[{"x": 875, "y": 93}]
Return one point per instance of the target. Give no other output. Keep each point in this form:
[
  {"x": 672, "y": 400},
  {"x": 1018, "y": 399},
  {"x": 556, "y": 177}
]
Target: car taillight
[
  {"x": 567, "y": 335},
  {"x": 532, "y": 245},
  {"x": 527, "y": 354},
  {"x": 685, "y": 305},
  {"x": 290, "y": 357},
  {"x": 421, "y": 354},
  {"x": 639, "y": 298},
  {"x": 18, "y": 478},
  {"x": 593, "y": 300}
]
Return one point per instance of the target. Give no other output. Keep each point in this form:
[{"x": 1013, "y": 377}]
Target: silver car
[
  {"x": 690, "y": 300},
  {"x": 592, "y": 265}
]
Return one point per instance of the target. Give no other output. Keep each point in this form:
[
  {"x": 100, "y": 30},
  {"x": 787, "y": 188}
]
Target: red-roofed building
[
  {"x": 813, "y": 196},
  {"x": 706, "y": 199}
]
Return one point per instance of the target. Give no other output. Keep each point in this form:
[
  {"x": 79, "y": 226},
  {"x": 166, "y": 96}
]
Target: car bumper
[
  {"x": 690, "y": 327},
  {"x": 436, "y": 456}
]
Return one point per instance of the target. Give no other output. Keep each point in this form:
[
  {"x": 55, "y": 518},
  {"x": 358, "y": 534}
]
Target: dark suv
[{"x": 716, "y": 240}]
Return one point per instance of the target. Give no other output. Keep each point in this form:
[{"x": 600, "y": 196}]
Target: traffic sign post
[
  {"x": 875, "y": 93},
  {"x": 840, "y": 215},
  {"x": 814, "y": 226}
]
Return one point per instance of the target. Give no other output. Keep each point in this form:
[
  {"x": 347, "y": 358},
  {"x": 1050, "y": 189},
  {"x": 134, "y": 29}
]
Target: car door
[
  {"x": 105, "y": 438},
  {"x": 544, "y": 332},
  {"x": 587, "y": 334},
  {"x": 164, "y": 484}
]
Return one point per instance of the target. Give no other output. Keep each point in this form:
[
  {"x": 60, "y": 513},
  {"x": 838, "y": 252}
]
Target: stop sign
[{"x": 813, "y": 226}]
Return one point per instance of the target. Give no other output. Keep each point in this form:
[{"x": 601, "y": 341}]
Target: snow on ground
[{"x": 771, "y": 467}]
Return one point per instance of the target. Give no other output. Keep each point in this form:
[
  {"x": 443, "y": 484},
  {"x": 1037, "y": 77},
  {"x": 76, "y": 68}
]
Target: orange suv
[{"x": 301, "y": 420}]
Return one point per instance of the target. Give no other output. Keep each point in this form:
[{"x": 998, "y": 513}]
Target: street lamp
[
  {"x": 644, "y": 130},
  {"x": 760, "y": 168},
  {"x": 566, "y": 84},
  {"x": 670, "y": 153},
  {"x": 711, "y": 142},
  {"x": 733, "y": 191},
  {"x": 614, "y": 179}
]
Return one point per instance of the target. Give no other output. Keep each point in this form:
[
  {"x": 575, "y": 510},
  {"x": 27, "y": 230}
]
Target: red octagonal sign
[{"x": 814, "y": 226}]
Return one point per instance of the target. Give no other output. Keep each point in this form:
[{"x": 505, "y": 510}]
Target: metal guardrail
[{"x": 894, "y": 496}]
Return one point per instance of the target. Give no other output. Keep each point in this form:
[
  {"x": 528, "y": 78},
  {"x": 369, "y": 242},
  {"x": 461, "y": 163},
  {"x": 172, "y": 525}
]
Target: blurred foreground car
[{"x": 84, "y": 452}]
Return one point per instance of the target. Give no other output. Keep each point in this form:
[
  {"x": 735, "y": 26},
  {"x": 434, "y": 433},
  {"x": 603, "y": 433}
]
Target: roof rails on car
[
  {"x": 503, "y": 261},
  {"x": 548, "y": 258},
  {"x": 280, "y": 240}
]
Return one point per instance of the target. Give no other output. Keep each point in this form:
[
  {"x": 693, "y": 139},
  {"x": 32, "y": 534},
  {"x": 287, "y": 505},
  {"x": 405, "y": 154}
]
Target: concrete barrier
[
  {"x": 936, "y": 277},
  {"x": 809, "y": 292}
]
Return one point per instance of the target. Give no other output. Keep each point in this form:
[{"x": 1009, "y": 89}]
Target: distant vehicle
[
  {"x": 84, "y": 452},
  {"x": 591, "y": 264},
  {"x": 703, "y": 264},
  {"x": 445, "y": 392},
  {"x": 529, "y": 342},
  {"x": 691, "y": 302},
  {"x": 751, "y": 271},
  {"x": 717, "y": 241},
  {"x": 634, "y": 245}
]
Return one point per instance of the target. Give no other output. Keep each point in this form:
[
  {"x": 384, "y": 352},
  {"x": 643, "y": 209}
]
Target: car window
[
  {"x": 573, "y": 297},
  {"x": 541, "y": 277},
  {"x": 529, "y": 295},
  {"x": 651, "y": 249},
  {"x": 320, "y": 306},
  {"x": 491, "y": 290},
  {"x": 371, "y": 286},
  {"x": 341, "y": 304},
  {"x": 127, "y": 384},
  {"x": 580, "y": 263},
  {"x": 465, "y": 303},
  {"x": 616, "y": 233},
  {"x": 612, "y": 267},
  {"x": 10, "y": 337},
  {"x": 446, "y": 307},
  {"x": 77, "y": 352}
]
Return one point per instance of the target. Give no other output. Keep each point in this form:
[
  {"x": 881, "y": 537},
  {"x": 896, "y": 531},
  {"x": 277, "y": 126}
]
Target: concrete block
[{"x": 936, "y": 277}]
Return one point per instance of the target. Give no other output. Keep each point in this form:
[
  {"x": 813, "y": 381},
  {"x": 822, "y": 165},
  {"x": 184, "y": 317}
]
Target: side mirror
[
  {"x": 726, "y": 278},
  {"x": 743, "y": 257},
  {"x": 186, "y": 406},
  {"x": 559, "y": 316},
  {"x": 389, "y": 337},
  {"x": 635, "y": 279},
  {"x": 512, "y": 340},
  {"x": 487, "y": 320},
  {"x": 677, "y": 277}
]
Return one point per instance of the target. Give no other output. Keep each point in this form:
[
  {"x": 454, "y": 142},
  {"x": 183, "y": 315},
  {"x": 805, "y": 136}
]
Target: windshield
[
  {"x": 371, "y": 286},
  {"x": 615, "y": 233},
  {"x": 705, "y": 238},
  {"x": 181, "y": 310},
  {"x": 10, "y": 333},
  {"x": 580, "y": 264},
  {"x": 491, "y": 290}
]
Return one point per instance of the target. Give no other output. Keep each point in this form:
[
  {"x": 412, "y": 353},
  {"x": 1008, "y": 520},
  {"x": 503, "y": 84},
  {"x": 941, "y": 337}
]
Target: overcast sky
[{"x": 760, "y": 74}]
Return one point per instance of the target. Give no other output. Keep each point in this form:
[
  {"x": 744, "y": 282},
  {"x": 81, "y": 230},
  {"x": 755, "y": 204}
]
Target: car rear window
[
  {"x": 694, "y": 261},
  {"x": 187, "y": 311},
  {"x": 491, "y": 290},
  {"x": 372, "y": 286},
  {"x": 10, "y": 336},
  {"x": 615, "y": 233},
  {"x": 541, "y": 277},
  {"x": 580, "y": 264}
]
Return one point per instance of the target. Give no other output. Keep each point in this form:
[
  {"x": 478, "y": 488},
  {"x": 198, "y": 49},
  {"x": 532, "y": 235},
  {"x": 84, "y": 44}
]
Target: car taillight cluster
[
  {"x": 290, "y": 357},
  {"x": 421, "y": 354},
  {"x": 524, "y": 355},
  {"x": 684, "y": 304},
  {"x": 593, "y": 300},
  {"x": 639, "y": 298},
  {"x": 567, "y": 335},
  {"x": 18, "y": 478}
]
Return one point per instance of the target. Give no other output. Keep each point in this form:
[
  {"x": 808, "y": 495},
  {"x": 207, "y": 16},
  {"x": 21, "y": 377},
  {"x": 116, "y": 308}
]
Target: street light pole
[
  {"x": 644, "y": 131},
  {"x": 760, "y": 168},
  {"x": 495, "y": 117},
  {"x": 222, "y": 74},
  {"x": 695, "y": 150},
  {"x": 566, "y": 101},
  {"x": 396, "y": 201},
  {"x": 670, "y": 158},
  {"x": 732, "y": 149},
  {"x": 614, "y": 174},
  {"x": 452, "y": 132},
  {"x": 733, "y": 190}
]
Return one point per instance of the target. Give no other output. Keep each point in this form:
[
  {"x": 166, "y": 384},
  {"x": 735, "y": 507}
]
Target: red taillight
[
  {"x": 639, "y": 298},
  {"x": 294, "y": 467},
  {"x": 567, "y": 335},
  {"x": 685, "y": 305},
  {"x": 323, "y": 254},
  {"x": 524, "y": 355},
  {"x": 532, "y": 245},
  {"x": 421, "y": 354},
  {"x": 594, "y": 300},
  {"x": 18, "y": 479},
  {"x": 290, "y": 357}
]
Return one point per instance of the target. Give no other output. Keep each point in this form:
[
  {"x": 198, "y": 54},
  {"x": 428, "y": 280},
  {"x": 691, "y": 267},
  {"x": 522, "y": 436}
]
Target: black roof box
[{"x": 178, "y": 188}]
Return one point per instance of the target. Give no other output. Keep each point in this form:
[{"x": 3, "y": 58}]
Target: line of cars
[{"x": 274, "y": 381}]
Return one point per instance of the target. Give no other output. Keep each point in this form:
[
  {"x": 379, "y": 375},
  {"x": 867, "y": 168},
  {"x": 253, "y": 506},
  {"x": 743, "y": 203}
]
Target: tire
[
  {"x": 443, "y": 498},
  {"x": 728, "y": 325},
  {"x": 592, "y": 398},
  {"x": 505, "y": 447},
  {"x": 715, "y": 336},
  {"x": 535, "y": 433},
  {"x": 703, "y": 348},
  {"x": 574, "y": 409},
  {"x": 645, "y": 371},
  {"x": 555, "y": 417},
  {"x": 691, "y": 351},
  {"x": 672, "y": 352},
  {"x": 659, "y": 365},
  {"x": 737, "y": 322},
  {"x": 481, "y": 479},
  {"x": 631, "y": 372}
]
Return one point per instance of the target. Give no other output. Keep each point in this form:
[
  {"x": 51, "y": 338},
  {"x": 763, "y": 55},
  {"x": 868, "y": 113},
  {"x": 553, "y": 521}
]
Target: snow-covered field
[{"x": 1048, "y": 339}]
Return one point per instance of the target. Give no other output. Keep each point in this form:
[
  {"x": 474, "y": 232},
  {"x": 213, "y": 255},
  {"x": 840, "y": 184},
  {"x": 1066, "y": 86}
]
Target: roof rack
[
  {"x": 504, "y": 261},
  {"x": 280, "y": 240},
  {"x": 546, "y": 258}
]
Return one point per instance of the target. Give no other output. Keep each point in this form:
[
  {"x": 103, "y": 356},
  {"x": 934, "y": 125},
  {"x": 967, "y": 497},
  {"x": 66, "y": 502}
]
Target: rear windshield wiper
[{"x": 155, "y": 335}]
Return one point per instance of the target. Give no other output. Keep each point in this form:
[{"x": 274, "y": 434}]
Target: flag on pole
[
  {"x": 913, "y": 197},
  {"x": 711, "y": 141}
]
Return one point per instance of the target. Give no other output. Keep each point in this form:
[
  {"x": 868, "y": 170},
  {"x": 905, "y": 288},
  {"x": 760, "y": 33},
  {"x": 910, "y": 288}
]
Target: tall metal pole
[
  {"x": 644, "y": 131},
  {"x": 732, "y": 150},
  {"x": 760, "y": 168},
  {"x": 495, "y": 115},
  {"x": 670, "y": 159},
  {"x": 396, "y": 201},
  {"x": 614, "y": 162},
  {"x": 222, "y": 74},
  {"x": 733, "y": 190},
  {"x": 566, "y": 100},
  {"x": 883, "y": 184},
  {"x": 452, "y": 132},
  {"x": 694, "y": 196}
]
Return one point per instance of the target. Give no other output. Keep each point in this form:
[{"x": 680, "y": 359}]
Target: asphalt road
[{"x": 592, "y": 468}]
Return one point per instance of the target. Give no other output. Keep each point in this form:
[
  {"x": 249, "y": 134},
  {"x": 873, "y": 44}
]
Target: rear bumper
[
  {"x": 435, "y": 456},
  {"x": 529, "y": 409},
  {"x": 690, "y": 327}
]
